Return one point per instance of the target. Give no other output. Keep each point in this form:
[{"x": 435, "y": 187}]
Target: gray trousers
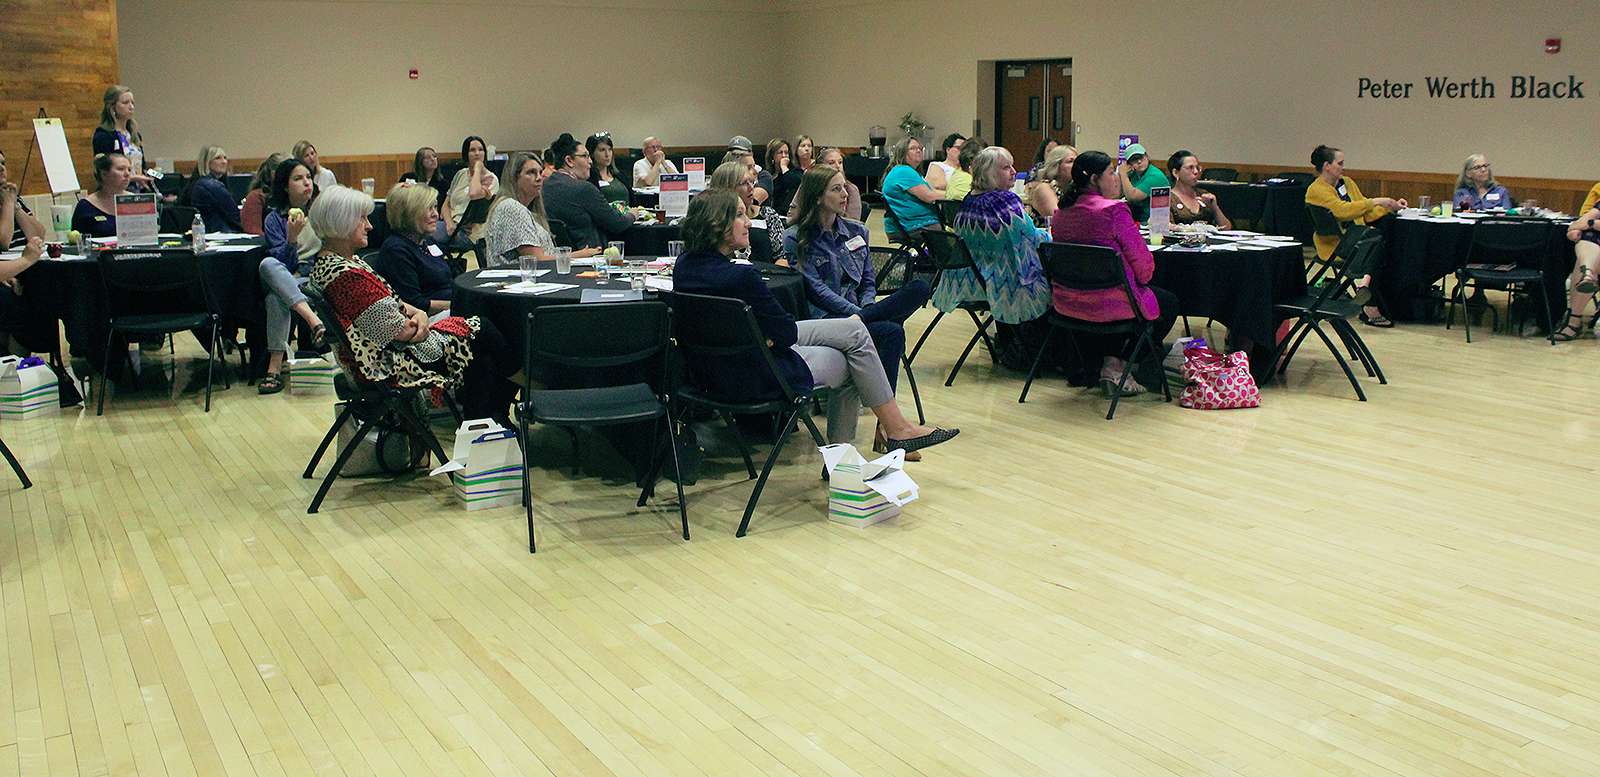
[
  {"x": 840, "y": 355},
  {"x": 283, "y": 293}
]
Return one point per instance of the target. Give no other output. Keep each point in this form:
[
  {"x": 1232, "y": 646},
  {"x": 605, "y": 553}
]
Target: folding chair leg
[
  {"x": 1347, "y": 337},
  {"x": 527, "y": 483},
  {"x": 577, "y": 451},
  {"x": 672, "y": 444},
  {"x": 1034, "y": 369},
  {"x": 766, "y": 470},
  {"x": 1544, "y": 306},
  {"x": 744, "y": 450},
  {"x": 1186, "y": 332},
  {"x": 338, "y": 464},
  {"x": 916, "y": 396},
  {"x": 925, "y": 332},
  {"x": 983, "y": 329},
  {"x": 963, "y": 360},
  {"x": 647, "y": 483},
  {"x": 211, "y": 363},
  {"x": 816, "y": 437},
  {"x": 1343, "y": 365},
  {"x": 105, "y": 377},
  {"x": 1166, "y": 390},
  {"x": 1288, "y": 355},
  {"x": 16, "y": 466},
  {"x": 327, "y": 439},
  {"x": 1371, "y": 360},
  {"x": 1466, "y": 318}
]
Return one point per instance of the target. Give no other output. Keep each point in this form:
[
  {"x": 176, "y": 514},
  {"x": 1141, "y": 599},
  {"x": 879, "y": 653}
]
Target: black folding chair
[
  {"x": 560, "y": 233},
  {"x": 1330, "y": 304},
  {"x": 175, "y": 218},
  {"x": 1297, "y": 178},
  {"x": 1505, "y": 241},
  {"x": 1094, "y": 268},
  {"x": 171, "y": 185},
  {"x": 16, "y": 466},
  {"x": 563, "y": 339},
  {"x": 890, "y": 268},
  {"x": 1224, "y": 174},
  {"x": 459, "y": 244},
  {"x": 136, "y": 281},
  {"x": 866, "y": 211},
  {"x": 949, "y": 252},
  {"x": 710, "y": 330},
  {"x": 373, "y": 406},
  {"x": 947, "y": 210}
]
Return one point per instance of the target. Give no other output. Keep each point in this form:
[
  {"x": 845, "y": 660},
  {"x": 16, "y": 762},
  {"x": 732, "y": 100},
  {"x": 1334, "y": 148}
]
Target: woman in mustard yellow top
[
  {"x": 1340, "y": 196},
  {"x": 1585, "y": 279}
]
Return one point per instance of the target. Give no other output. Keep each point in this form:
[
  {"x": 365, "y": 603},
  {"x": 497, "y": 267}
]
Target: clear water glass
[
  {"x": 563, "y": 260},
  {"x": 674, "y": 248}
]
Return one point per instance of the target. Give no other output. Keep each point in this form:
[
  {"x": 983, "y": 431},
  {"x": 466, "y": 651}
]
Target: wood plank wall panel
[{"x": 60, "y": 55}]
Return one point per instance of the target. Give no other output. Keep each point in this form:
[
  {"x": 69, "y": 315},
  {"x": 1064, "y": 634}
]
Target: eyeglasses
[
  {"x": 1484, "y": 166},
  {"x": 582, "y": 155}
]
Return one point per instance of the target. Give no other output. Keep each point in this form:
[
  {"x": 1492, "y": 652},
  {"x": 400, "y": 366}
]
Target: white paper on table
[
  {"x": 587, "y": 262},
  {"x": 509, "y": 273},
  {"x": 1263, "y": 243},
  {"x": 537, "y": 288},
  {"x": 1237, "y": 233},
  {"x": 225, "y": 236},
  {"x": 1225, "y": 247},
  {"x": 1232, "y": 238},
  {"x": 229, "y": 249},
  {"x": 657, "y": 283},
  {"x": 647, "y": 189}
]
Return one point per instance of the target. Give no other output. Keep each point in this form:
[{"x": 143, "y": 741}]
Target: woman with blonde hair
[
  {"x": 306, "y": 152},
  {"x": 739, "y": 176},
  {"x": 409, "y": 259},
  {"x": 208, "y": 192},
  {"x": 118, "y": 133}
]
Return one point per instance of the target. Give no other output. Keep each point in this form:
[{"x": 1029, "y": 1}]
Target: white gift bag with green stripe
[{"x": 861, "y": 492}]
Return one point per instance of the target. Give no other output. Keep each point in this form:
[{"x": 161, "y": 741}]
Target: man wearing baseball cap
[
  {"x": 1138, "y": 178},
  {"x": 739, "y": 144}
]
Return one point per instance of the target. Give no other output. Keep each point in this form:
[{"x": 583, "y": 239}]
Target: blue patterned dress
[{"x": 1005, "y": 245}]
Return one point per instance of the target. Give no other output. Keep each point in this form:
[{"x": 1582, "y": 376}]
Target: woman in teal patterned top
[{"x": 1004, "y": 245}]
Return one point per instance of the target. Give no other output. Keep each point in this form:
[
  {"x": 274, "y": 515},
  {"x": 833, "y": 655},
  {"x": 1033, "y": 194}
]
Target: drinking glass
[
  {"x": 527, "y": 263},
  {"x": 674, "y": 248},
  {"x": 369, "y": 185},
  {"x": 1424, "y": 202},
  {"x": 636, "y": 274},
  {"x": 563, "y": 260}
]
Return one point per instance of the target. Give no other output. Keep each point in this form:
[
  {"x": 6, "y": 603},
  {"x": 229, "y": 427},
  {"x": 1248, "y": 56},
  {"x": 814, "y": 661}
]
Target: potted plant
[{"x": 913, "y": 127}]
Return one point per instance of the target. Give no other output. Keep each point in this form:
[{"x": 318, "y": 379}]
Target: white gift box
[
  {"x": 485, "y": 466},
  {"x": 861, "y": 492},
  {"x": 312, "y": 376},
  {"x": 27, "y": 391}
]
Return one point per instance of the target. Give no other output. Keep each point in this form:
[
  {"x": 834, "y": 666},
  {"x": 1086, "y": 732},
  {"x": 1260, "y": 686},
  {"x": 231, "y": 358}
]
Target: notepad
[{"x": 537, "y": 288}]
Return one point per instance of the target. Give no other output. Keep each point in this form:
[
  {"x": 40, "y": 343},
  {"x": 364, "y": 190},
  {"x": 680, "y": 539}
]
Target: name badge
[
  {"x": 855, "y": 243},
  {"x": 99, "y": 218},
  {"x": 1343, "y": 192},
  {"x": 434, "y": 249},
  {"x": 1493, "y": 197}
]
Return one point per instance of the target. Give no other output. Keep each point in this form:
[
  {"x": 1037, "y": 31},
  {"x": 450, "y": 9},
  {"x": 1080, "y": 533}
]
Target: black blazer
[
  {"x": 708, "y": 272},
  {"x": 581, "y": 206}
]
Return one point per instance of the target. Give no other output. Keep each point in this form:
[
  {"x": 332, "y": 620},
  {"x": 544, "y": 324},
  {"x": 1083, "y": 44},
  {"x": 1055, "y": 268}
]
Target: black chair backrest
[
  {"x": 173, "y": 183},
  {"x": 866, "y": 211},
  {"x": 560, "y": 233},
  {"x": 239, "y": 185},
  {"x": 1363, "y": 257},
  {"x": 1227, "y": 174},
  {"x": 947, "y": 211},
  {"x": 760, "y": 246},
  {"x": 1323, "y": 221},
  {"x": 151, "y": 280},
  {"x": 889, "y": 267},
  {"x": 175, "y": 218},
  {"x": 1510, "y": 240},
  {"x": 891, "y": 223},
  {"x": 379, "y": 219},
  {"x": 1298, "y": 178},
  {"x": 948, "y": 250},
  {"x": 712, "y": 329},
  {"x": 599, "y": 344},
  {"x": 1087, "y": 268},
  {"x": 477, "y": 212}
]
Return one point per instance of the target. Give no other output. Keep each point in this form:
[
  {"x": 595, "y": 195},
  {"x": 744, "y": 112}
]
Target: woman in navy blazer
[
  {"x": 837, "y": 353},
  {"x": 209, "y": 195}
]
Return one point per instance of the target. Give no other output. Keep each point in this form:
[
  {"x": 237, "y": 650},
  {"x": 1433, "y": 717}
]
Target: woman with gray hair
[
  {"x": 1004, "y": 245},
  {"x": 393, "y": 342},
  {"x": 208, "y": 194},
  {"x": 1476, "y": 188}
]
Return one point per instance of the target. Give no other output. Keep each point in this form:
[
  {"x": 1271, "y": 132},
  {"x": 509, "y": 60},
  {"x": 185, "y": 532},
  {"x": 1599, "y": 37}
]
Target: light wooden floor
[{"x": 1321, "y": 586}]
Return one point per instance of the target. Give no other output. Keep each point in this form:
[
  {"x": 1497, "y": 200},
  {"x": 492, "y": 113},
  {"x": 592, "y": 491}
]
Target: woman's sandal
[
  {"x": 319, "y": 335},
  {"x": 1378, "y": 321},
  {"x": 270, "y": 383},
  {"x": 1568, "y": 331},
  {"x": 1586, "y": 282}
]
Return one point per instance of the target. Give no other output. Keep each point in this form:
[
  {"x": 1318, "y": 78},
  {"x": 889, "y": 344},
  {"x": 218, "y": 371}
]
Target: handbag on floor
[{"x": 1215, "y": 381}]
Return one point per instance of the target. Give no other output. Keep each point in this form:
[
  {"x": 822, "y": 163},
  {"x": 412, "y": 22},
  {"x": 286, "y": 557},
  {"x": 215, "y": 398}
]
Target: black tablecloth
[
  {"x": 1276, "y": 209},
  {"x": 69, "y": 290},
  {"x": 1417, "y": 252},
  {"x": 652, "y": 239},
  {"x": 481, "y": 297},
  {"x": 1237, "y": 288}
]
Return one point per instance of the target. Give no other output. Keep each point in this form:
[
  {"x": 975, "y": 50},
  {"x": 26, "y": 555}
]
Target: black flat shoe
[
  {"x": 1378, "y": 321},
  {"x": 925, "y": 441}
]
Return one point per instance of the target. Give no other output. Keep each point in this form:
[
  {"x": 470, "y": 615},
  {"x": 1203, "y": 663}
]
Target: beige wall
[
  {"x": 257, "y": 75},
  {"x": 1243, "y": 81}
]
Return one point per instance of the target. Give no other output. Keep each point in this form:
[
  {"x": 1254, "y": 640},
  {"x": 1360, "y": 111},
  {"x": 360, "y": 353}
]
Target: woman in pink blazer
[{"x": 1093, "y": 213}]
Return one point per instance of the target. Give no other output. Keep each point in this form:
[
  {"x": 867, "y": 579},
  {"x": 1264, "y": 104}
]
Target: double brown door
[{"x": 1033, "y": 102}]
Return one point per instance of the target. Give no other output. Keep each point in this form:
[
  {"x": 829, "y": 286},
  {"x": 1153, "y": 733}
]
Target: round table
[
  {"x": 1417, "y": 251},
  {"x": 69, "y": 289},
  {"x": 1238, "y": 287},
  {"x": 475, "y": 296}
]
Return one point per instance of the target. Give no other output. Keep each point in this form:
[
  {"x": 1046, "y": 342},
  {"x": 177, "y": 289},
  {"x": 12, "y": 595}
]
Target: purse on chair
[{"x": 1215, "y": 381}]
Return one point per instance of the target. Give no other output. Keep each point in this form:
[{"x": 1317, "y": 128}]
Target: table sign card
[
  {"x": 674, "y": 197},
  {"x": 1123, "y": 141},
  {"x": 695, "y": 168},
  {"x": 136, "y": 220},
  {"x": 1160, "y": 210}
]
